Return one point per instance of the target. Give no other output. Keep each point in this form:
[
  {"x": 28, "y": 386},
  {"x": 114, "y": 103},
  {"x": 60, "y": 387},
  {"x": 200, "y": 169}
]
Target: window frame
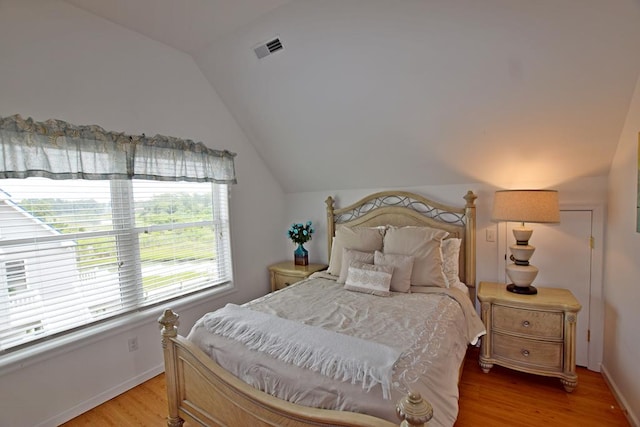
[{"x": 123, "y": 189}]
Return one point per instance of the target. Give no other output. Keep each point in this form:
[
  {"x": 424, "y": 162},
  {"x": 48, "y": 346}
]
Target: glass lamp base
[{"x": 523, "y": 290}]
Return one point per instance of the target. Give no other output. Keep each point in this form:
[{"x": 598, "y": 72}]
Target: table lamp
[{"x": 539, "y": 206}]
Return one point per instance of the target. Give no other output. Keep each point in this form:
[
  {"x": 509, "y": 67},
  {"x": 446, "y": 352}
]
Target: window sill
[{"x": 55, "y": 347}]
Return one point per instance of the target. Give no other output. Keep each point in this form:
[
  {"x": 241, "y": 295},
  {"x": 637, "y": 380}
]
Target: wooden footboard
[{"x": 201, "y": 392}]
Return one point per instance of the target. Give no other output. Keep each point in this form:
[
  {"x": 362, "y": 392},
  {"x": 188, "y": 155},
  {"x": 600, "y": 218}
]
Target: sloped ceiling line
[{"x": 375, "y": 94}]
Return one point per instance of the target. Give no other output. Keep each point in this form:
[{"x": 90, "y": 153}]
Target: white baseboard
[
  {"x": 632, "y": 418},
  {"x": 101, "y": 398}
]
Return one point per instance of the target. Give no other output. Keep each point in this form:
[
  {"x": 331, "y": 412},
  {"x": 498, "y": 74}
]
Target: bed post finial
[
  {"x": 470, "y": 197},
  {"x": 169, "y": 322},
  {"x": 329, "y": 202},
  {"x": 413, "y": 410}
]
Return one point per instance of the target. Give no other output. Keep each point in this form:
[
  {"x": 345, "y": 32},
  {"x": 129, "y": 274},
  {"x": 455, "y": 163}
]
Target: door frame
[{"x": 596, "y": 297}]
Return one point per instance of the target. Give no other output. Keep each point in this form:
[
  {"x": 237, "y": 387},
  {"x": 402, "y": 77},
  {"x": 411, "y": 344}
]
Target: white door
[{"x": 564, "y": 257}]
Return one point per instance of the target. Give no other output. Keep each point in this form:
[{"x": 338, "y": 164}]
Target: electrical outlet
[{"x": 133, "y": 344}]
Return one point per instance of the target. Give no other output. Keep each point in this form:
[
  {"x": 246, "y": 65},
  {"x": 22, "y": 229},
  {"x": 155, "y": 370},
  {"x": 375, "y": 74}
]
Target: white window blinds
[{"x": 76, "y": 252}]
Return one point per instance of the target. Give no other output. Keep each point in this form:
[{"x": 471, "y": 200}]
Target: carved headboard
[{"x": 401, "y": 208}]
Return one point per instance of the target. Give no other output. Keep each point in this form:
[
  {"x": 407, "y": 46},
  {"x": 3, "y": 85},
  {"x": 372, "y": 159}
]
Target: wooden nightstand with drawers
[
  {"x": 287, "y": 273},
  {"x": 530, "y": 333}
]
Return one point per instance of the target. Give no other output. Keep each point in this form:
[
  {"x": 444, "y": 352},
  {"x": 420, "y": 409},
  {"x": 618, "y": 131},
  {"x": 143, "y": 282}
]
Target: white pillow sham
[
  {"x": 424, "y": 244},
  {"x": 365, "y": 239},
  {"x": 402, "y": 268},
  {"x": 349, "y": 255},
  {"x": 369, "y": 278},
  {"x": 451, "y": 260}
]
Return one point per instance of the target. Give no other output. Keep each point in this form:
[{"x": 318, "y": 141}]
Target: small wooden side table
[
  {"x": 287, "y": 273},
  {"x": 530, "y": 333}
]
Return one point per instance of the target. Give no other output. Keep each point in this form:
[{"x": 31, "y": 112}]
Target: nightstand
[
  {"x": 530, "y": 333},
  {"x": 287, "y": 273}
]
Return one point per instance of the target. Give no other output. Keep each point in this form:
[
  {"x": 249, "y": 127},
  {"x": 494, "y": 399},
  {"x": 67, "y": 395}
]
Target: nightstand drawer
[
  {"x": 531, "y": 352},
  {"x": 534, "y": 323},
  {"x": 282, "y": 280}
]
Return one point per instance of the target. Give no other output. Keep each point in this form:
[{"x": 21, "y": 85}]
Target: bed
[{"x": 310, "y": 357}]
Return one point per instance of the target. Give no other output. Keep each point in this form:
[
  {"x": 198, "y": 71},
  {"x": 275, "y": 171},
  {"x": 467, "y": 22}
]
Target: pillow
[
  {"x": 369, "y": 278},
  {"x": 365, "y": 239},
  {"x": 349, "y": 255},
  {"x": 402, "y": 267},
  {"x": 451, "y": 260},
  {"x": 424, "y": 244}
]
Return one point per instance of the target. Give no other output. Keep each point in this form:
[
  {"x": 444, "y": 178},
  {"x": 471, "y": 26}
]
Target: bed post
[
  {"x": 169, "y": 321},
  {"x": 331, "y": 225},
  {"x": 470, "y": 243},
  {"x": 414, "y": 411}
]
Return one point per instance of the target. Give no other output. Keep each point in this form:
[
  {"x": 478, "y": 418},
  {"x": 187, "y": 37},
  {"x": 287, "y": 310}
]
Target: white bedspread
[
  {"x": 335, "y": 355},
  {"x": 431, "y": 330}
]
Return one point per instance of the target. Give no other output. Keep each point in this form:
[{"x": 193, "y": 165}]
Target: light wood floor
[
  {"x": 504, "y": 397},
  {"x": 500, "y": 398}
]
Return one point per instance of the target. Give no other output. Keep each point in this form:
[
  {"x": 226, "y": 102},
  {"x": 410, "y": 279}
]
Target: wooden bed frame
[{"x": 201, "y": 392}]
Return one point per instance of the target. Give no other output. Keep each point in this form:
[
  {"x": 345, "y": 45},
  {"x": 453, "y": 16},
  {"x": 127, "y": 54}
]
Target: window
[
  {"x": 96, "y": 224},
  {"x": 76, "y": 252},
  {"x": 16, "y": 276}
]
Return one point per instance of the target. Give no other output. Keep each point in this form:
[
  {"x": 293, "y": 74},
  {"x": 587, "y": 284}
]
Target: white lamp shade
[{"x": 526, "y": 206}]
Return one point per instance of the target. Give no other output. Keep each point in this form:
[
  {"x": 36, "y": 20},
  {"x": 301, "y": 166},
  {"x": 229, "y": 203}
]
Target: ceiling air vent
[{"x": 268, "y": 48}]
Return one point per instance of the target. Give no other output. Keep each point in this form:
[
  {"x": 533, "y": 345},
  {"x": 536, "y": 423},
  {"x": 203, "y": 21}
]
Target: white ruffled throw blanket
[{"x": 339, "y": 356}]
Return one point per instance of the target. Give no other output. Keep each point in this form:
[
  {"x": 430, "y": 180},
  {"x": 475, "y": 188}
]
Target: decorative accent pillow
[
  {"x": 451, "y": 260},
  {"x": 402, "y": 268},
  {"x": 423, "y": 243},
  {"x": 365, "y": 239},
  {"x": 369, "y": 278},
  {"x": 349, "y": 255}
]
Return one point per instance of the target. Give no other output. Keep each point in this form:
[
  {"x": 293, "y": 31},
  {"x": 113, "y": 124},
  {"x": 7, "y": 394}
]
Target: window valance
[{"x": 59, "y": 150}]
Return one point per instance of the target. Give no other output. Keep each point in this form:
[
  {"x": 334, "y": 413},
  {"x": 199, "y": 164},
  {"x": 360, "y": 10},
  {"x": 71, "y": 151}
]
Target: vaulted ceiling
[{"x": 380, "y": 93}]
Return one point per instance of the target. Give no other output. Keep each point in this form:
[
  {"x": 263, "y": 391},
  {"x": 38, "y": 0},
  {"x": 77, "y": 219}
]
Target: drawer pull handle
[
  {"x": 287, "y": 283},
  {"x": 525, "y": 352},
  {"x": 525, "y": 323}
]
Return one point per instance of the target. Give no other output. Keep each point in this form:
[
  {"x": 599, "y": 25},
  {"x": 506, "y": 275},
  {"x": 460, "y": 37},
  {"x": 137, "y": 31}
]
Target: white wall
[
  {"x": 57, "y": 61},
  {"x": 622, "y": 268}
]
